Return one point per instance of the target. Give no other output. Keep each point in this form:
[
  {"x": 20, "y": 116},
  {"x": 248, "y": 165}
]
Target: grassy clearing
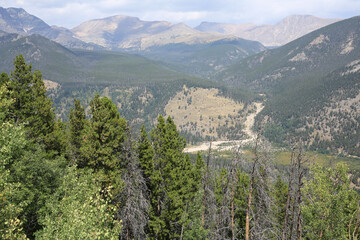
[{"x": 203, "y": 111}]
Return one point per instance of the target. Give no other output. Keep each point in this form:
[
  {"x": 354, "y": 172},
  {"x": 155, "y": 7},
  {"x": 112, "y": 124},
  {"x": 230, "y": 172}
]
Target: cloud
[{"x": 70, "y": 13}]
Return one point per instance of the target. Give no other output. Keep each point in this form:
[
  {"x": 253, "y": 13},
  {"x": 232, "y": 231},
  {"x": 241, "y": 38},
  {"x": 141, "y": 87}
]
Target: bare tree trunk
[
  {"x": 233, "y": 181},
  {"x": 205, "y": 182},
  {"x": 355, "y": 235},
  {"x": 251, "y": 186},
  {"x": 232, "y": 213},
  {"x": 287, "y": 208},
  {"x": 301, "y": 173},
  {"x": 128, "y": 233}
]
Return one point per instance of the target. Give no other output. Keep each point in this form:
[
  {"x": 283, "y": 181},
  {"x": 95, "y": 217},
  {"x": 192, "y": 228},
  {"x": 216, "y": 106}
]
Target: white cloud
[
  {"x": 175, "y": 16},
  {"x": 70, "y": 13}
]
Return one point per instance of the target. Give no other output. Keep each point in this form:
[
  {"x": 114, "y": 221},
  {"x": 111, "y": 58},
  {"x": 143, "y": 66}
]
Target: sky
[{"x": 71, "y": 13}]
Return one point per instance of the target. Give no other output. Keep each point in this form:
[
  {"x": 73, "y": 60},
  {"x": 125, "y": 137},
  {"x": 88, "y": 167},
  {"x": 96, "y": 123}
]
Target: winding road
[{"x": 228, "y": 145}]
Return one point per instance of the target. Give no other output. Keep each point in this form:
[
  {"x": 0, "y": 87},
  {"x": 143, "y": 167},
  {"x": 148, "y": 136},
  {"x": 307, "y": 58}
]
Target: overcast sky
[{"x": 70, "y": 13}]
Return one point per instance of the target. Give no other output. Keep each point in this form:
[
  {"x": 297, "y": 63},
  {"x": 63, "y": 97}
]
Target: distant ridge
[
  {"x": 124, "y": 32},
  {"x": 288, "y": 29}
]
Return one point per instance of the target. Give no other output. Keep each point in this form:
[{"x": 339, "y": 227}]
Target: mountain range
[
  {"x": 131, "y": 33},
  {"x": 184, "y": 48},
  {"x": 287, "y": 30}
]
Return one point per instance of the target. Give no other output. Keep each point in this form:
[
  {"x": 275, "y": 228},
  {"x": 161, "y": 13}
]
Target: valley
[
  {"x": 207, "y": 78},
  {"x": 232, "y": 145},
  {"x": 121, "y": 127}
]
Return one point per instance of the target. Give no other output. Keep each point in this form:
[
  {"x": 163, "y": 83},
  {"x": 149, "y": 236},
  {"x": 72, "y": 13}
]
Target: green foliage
[
  {"x": 103, "y": 138},
  {"x": 172, "y": 184},
  {"x": 31, "y": 105},
  {"x": 194, "y": 228},
  {"x": 5, "y": 102},
  {"x": 28, "y": 178},
  {"x": 145, "y": 153},
  {"x": 329, "y": 204},
  {"x": 12, "y": 141},
  {"x": 280, "y": 193},
  {"x": 77, "y": 123},
  {"x": 199, "y": 169},
  {"x": 57, "y": 142},
  {"x": 240, "y": 200},
  {"x": 78, "y": 210},
  {"x": 12, "y": 199}
]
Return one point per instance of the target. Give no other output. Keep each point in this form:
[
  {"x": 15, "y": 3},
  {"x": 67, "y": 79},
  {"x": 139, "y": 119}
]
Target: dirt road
[{"x": 228, "y": 145}]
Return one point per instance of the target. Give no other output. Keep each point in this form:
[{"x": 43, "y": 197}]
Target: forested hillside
[
  {"x": 141, "y": 88},
  {"x": 312, "y": 86},
  {"x": 91, "y": 177}
]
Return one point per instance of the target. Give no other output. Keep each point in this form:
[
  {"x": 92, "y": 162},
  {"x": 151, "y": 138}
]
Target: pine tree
[
  {"x": 145, "y": 153},
  {"x": 280, "y": 196},
  {"x": 172, "y": 182},
  {"x": 103, "y": 139},
  {"x": 56, "y": 141},
  {"x": 77, "y": 122},
  {"x": 31, "y": 105},
  {"x": 199, "y": 170}
]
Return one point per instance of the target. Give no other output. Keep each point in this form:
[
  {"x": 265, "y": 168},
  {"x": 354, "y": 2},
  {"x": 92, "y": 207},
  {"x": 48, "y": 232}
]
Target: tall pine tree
[
  {"x": 31, "y": 105},
  {"x": 77, "y": 121},
  {"x": 103, "y": 140},
  {"x": 172, "y": 181}
]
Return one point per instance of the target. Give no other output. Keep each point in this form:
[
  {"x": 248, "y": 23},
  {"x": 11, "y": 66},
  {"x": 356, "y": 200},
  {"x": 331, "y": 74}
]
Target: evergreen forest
[{"x": 94, "y": 177}]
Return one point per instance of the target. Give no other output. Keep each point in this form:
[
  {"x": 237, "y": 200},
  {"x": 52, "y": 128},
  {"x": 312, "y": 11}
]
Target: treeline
[{"x": 92, "y": 178}]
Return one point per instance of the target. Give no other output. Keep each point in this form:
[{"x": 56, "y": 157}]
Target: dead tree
[
  {"x": 206, "y": 186},
  {"x": 209, "y": 215},
  {"x": 133, "y": 202},
  {"x": 259, "y": 213},
  {"x": 288, "y": 200},
  {"x": 292, "y": 228},
  {"x": 251, "y": 188}
]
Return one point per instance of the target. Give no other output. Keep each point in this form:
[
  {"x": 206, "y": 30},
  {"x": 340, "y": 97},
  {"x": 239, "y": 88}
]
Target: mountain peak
[
  {"x": 133, "y": 33},
  {"x": 17, "y": 20}
]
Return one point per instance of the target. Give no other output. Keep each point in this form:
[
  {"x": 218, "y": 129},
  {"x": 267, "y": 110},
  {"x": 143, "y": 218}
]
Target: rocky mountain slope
[
  {"x": 17, "y": 20},
  {"x": 312, "y": 85},
  {"x": 288, "y": 29},
  {"x": 124, "y": 32}
]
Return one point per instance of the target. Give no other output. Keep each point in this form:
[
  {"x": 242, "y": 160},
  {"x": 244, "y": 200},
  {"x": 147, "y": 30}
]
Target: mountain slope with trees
[
  {"x": 140, "y": 87},
  {"x": 312, "y": 86}
]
